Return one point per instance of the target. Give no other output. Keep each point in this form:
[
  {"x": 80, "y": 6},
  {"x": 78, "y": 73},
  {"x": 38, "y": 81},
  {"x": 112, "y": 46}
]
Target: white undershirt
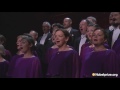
[
  {"x": 115, "y": 35},
  {"x": 82, "y": 41},
  {"x": 35, "y": 43},
  {"x": 69, "y": 29},
  {"x": 42, "y": 41}
]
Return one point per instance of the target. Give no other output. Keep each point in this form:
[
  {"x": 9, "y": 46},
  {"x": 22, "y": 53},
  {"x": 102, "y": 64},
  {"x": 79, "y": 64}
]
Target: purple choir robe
[
  {"x": 8, "y": 55},
  {"x": 49, "y": 53},
  {"x": 116, "y": 48},
  {"x": 88, "y": 44},
  {"x": 98, "y": 62},
  {"x": 64, "y": 64},
  {"x": 4, "y": 69},
  {"x": 12, "y": 64},
  {"x": 27, "y": 68},
  {"x": 35, "y": 53}
]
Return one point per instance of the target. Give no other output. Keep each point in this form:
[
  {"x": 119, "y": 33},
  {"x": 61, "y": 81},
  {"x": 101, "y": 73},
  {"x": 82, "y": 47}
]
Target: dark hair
[
  {"x": 2, "y": 39},
  {"x": 19, "y": 36},
  {"x": 66, "y": 33},
  {"x": 30, "y": 41},
  {"x": 34, "y": 31},
  {"x": 58, "y": 25},
  {"x": 104, "y": 32}
]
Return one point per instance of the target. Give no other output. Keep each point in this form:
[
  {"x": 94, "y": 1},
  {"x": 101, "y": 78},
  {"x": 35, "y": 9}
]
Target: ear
[
  {"x": 67, "y": 39},
  {"x": 70, "y": 22},
  {"x": 30, "y": 45}
]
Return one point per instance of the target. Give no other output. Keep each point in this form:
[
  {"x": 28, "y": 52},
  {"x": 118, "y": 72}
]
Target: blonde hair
[{"x": 2, "y": 50}]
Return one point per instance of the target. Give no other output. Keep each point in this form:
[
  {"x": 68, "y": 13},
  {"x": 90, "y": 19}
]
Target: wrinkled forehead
[
  {"x": 83, "y": 22},
  {"x": 68, "y": 19},
  {"x": 114, "y": 13}
]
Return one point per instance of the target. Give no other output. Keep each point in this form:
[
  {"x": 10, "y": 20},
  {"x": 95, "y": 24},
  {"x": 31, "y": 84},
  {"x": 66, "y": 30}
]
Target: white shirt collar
[
  {"x": 46, "y": 33},
  {"x": 69, "y": 29}
]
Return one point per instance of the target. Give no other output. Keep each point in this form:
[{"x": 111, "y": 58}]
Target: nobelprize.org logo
[
  {"x": 104, "y": 74},
  {"x": 93, "y": 74}
]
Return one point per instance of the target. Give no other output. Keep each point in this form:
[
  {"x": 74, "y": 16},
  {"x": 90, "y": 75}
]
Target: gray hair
[
  {"x": 93, "y": 18},
  {"x": 47, "y": 23}
]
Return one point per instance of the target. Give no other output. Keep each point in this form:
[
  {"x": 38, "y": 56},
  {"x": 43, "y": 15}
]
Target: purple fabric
[
  {"x": 35, "y": 53},
  {"x": 106, "y": 45},
  {"x": 49, "y": 53},
  {"x": 8, "y": 55},
  {"x": 98, "y": 62},
  {"x": 12, "y": 64},
  {"x": 116, "y": 48},
  {"x": 64, "y": 64},
  {"x": 27, "y": 68},
  {"x": 4, "y": 69}
]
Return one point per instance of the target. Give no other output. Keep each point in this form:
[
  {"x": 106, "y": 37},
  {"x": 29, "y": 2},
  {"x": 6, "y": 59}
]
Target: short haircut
[
  {"x": 104, "y": 32},
  {"x": 58, "y": 25},
  {"x": 47, "y": 23},
  {"x": 93, "y": 19},
  {"x": 2, "y": 50},
  {"x": 2, "y": 39},
  {"x": 30, "y": 40}
]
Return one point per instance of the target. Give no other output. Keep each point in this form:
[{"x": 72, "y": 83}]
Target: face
[
  {"x": 67, "y": 23},
  {"x": 116, "y": 17},
  {"x": 60, "y": 39},
  {"x": 46, "y": 28},
  {"x": 25, "y": 46},
  {"x": 111, "y": 19},
  {"x": 19, "y": 43},
  {"x": 98, "y": 37},
  {"x": 90, "y": 30},
  {"x": 34, "y": 35},
  {"x": 83, "y": 27}
]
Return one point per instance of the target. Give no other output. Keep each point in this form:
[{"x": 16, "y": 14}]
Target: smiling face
[
  {"x": 60, "y": 38},
  {"x": 98, "y": 37}
]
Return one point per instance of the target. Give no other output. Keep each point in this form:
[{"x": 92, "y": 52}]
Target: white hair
[
  {"x": 47, "y": 23},
  {"x": 93, "y": 18}
]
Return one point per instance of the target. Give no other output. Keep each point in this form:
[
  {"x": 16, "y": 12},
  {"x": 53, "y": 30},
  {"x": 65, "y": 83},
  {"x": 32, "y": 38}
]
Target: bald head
[
  {"x": 67, "y": 22},
  {"x": 34, "y": 34},
  {"x": 83, "y": 26}
]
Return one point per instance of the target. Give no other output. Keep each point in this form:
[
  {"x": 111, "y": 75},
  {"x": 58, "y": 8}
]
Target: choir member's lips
[
  {"x": 95, "y": 40},
  {"x": 21, "y": 47},
  {"x": 114, "y": 19},
  {"x": 57, "y": 41},
  {"x": 81, "y": 29}
]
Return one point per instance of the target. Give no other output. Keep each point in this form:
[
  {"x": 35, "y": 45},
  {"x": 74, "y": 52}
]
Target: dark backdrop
[{"x": 15, "y": 23}]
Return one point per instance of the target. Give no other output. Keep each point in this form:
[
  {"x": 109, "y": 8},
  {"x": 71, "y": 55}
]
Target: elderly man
[{"x": 67, "y": 23}]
